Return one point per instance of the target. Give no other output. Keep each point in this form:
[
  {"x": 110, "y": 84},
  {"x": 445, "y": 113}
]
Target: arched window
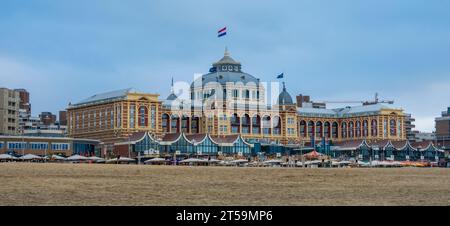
[
  {"x": 247, "y": 94},
  {"x": 334, "y": 130},
  {"x": 143, "y": 119},
  {"x": 276, "y": 125},
  {"x": 165, "y": 123},
  {"x": 302, "y": 128},
  {"x": 185, "y": 124},
  {"x": 358, "y": 129},
  {"x": 350, "y": 130},
  {"x": 365, "y": 128},
  {"x": 235, "y": 123},
  {"x": 246, "y": 124},
  {"x": 175, "y": 124},
  {"x": 344, "y": 130},
  {"x": 311, "y": 129},
  {"x": 327, "y": 129},
  {"x": 266, "y": 125},
  {"x": 256, "y": 124},
  {"x": 374, "y": 128},
  {"x": 392, "y": 127},
  {"x": 319, "y": 129}
]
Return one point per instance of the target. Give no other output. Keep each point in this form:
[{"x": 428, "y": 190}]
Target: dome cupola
[{"x": 285, "y": 98}]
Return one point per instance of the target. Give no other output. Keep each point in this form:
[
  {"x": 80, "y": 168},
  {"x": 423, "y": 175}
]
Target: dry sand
[{"x": 88, "y": 184}]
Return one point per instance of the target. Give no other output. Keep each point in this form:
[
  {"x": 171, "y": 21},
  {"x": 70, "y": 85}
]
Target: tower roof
[
  {"x": 226, "y": 59},
  {"x": 284, "y": 98},
  {"x": 172, "y": 95}
]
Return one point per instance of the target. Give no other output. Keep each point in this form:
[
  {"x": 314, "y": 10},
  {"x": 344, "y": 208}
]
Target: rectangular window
[
  {"x": 290, "y": 121},
  {"x": 95, "y": 120},
  {"x": 89, "y": 120},
  {"x": 60, "y": 146},
  {"x": 82, "y": 120},
  {"x": 210, "y": 129},
  {"x": 1, "y": 145},
  {"x": 17, "y": 145},
  {"x": 77, "y": 121},
  {"x": 38, "y": 146},
  {"x": 235, "y": 93},
  {"x": 142, "y": 118},
  {"x": 100, "y": 119},
  {"x": 291, "y": 131},
  {"x": 132, "y": 115},
  {"x": 153, "y": 117},
  {"x": 119, "y": 116},
  {"x": 111, "y": 116}
]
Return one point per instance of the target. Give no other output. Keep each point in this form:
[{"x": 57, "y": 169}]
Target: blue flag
[{"x": 280, "y": 76}]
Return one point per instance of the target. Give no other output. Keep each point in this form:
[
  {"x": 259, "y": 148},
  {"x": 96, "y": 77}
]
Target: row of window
[
  {"x": 37, "y": 146},
  {"x": 235, "y": 93},
  {"x": 351, "y": 129},
  {"x": 101, "y": 118}
]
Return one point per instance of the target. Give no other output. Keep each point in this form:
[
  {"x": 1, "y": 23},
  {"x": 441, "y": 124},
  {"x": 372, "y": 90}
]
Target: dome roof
[
  {"x": 172, "y": 96},
  {"x": 225, "y": 77},
  {"x": 284, "y": 98},
  {"x": 224, "y": 71}
]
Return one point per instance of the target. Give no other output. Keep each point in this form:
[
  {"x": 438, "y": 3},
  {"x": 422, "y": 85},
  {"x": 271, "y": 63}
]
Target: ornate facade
[
  {"x": 115, "y": 116},
  {"x": 227, "y": 101}
]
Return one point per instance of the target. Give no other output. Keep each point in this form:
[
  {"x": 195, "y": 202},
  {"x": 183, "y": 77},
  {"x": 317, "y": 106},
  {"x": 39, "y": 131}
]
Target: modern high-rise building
[
  {"x": 443, "y": 128},
  {"x": 24, "y": 100},
  {"x": 409, "y": 126},
  {"x": 25, "y": 121},
  {"x": 9, "y": 111}
]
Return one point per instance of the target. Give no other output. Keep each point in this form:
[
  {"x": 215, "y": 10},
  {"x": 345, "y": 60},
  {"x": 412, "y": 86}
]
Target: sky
[{"x": 66, "y": 51}]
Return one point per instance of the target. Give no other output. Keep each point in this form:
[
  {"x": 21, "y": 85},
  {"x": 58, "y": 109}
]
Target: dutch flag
[{"x": 222, "y": 32}]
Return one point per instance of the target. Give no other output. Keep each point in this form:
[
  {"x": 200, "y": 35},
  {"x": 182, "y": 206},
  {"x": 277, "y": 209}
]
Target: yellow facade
[{"x": 110, "y": 121}]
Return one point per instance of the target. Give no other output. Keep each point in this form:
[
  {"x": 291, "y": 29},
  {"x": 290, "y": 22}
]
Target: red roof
[
  {"x": 224, "y": 139},
  {"x": 170, "y": 137},
  {"x": 399, "y": 144},
  {"x": 195, "y": 137}
]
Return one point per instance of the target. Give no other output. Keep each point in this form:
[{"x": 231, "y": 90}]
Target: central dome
[{"x": 224, "y": 71}]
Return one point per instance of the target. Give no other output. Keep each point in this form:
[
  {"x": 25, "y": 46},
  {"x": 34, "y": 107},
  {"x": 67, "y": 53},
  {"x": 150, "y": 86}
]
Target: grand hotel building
[{"x": 225, "y": 102}]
